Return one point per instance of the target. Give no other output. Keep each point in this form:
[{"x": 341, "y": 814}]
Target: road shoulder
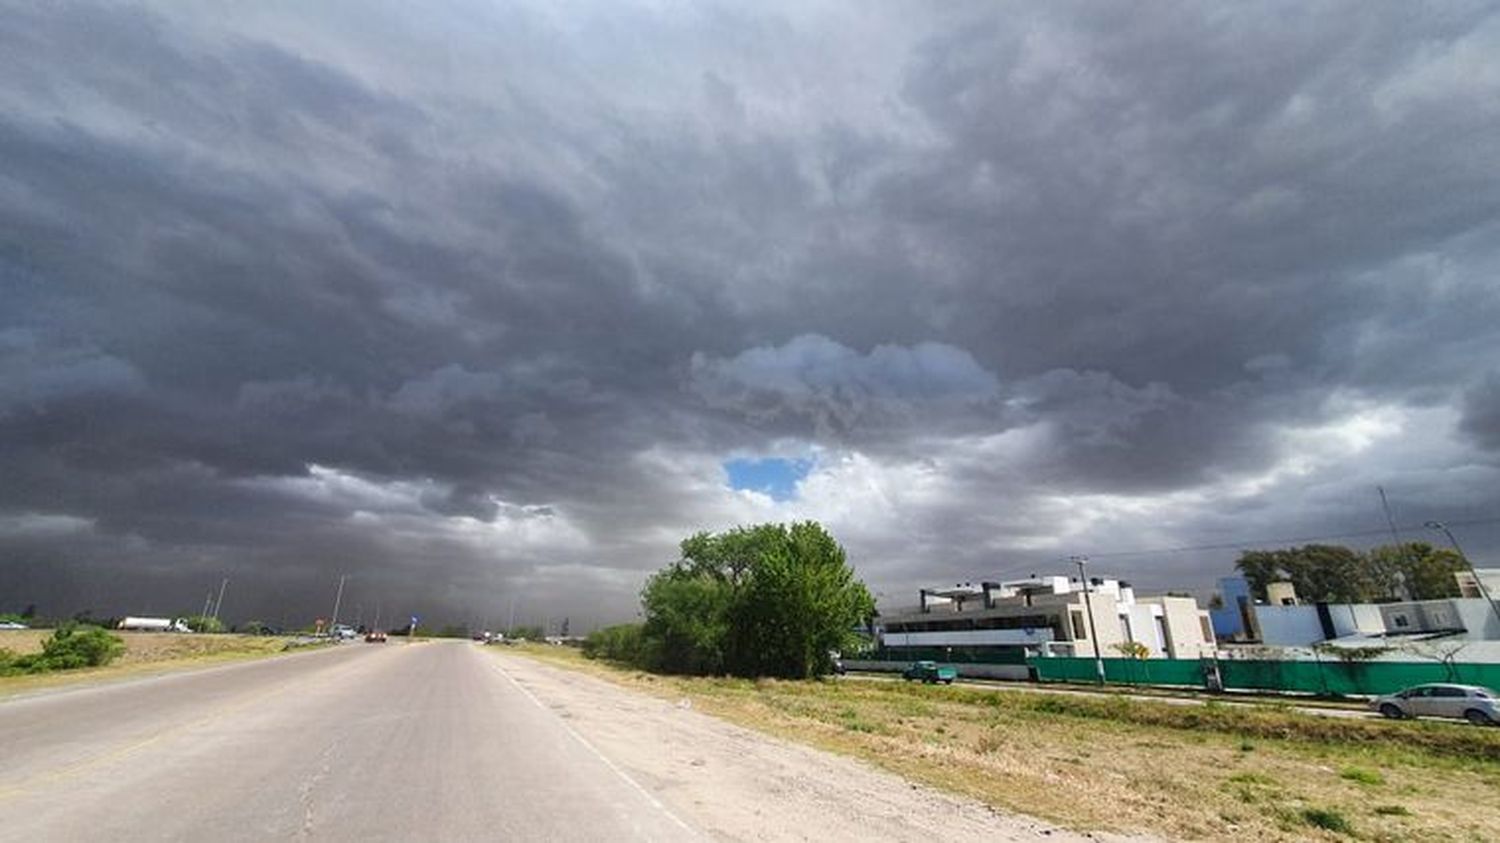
[{"x": 739, "y": 784}]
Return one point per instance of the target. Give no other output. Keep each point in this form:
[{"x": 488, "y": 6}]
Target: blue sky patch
[{"x": 774, "y": 476}]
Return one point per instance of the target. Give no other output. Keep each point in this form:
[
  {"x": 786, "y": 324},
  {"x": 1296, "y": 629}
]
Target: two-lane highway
[{"x": 395, "y": 742}]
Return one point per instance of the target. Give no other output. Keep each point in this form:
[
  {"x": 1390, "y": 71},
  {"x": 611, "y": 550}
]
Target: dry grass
[
  {"x": 1269, "y": 775},
  {"x": 145, "y": 652}
]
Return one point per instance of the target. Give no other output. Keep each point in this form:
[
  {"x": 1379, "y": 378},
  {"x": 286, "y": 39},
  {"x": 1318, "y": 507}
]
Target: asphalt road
[{"x": 419, "y": 742}]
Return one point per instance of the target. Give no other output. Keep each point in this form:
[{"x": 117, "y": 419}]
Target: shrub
[
  {"x": 1392, "y": 810},
  {"x": 1327, "y": 819},
  {"x": 70, "y": 647},
  {"x": 621, "y": 643},
  {"x": 1361, "y": 775},
  {"x": 204, "y": 623}
]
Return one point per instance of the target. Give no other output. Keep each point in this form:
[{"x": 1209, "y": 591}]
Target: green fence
[
  {"x": 1306, "y": 677},
  {"x": 1122, "y": 671},
  {"x": 1339, "y": 677}
]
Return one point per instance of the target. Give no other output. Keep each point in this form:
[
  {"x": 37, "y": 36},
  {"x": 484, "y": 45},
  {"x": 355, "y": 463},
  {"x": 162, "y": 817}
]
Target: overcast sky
[{"x": 488, "y": 302}]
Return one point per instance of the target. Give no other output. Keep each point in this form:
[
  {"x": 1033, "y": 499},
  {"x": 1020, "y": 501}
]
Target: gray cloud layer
[{"x": 470, "y": 301}]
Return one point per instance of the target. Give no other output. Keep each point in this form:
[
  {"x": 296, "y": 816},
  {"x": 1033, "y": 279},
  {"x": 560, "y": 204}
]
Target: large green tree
[
  {"x": 767, "y": 600},
  {"x": 1338, "y": 574},
  {"x": 1318, "y": 572},
  {"x": 1424, "y": 572}
]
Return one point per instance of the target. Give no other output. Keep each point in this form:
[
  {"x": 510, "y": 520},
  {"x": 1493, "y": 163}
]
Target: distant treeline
[{"x": 1337, "y": 574}]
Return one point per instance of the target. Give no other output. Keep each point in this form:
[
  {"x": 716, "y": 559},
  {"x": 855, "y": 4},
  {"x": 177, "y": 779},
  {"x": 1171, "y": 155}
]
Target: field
[
  {"x": 145, "y": 652},
  {"x": 1208, "y": 773}
]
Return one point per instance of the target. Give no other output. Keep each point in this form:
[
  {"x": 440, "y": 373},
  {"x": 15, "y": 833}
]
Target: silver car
[{"x": 1479, "y": 706}]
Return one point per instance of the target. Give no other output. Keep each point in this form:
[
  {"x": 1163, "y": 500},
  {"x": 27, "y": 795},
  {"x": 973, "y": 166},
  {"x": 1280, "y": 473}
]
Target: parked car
[
  {"x": 930, "y": 673},
  {"x": 1479, "y": 706},
  {"x": 13, "y": 625}
]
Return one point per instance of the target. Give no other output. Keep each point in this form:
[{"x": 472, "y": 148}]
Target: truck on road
[{"x": 153, "y": 625}]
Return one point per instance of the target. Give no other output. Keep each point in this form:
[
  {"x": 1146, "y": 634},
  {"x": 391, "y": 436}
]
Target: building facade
[{"x": 1003, "y": 622}]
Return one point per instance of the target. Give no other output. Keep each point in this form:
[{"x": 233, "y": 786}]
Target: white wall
[
  {"x": 1359, "y": 617},
  {"x": 967, "y": 637},
  {"x": 1478, "y": 618},
  {"x": 1185, "y": 625},
  {"x": 1288, "y": 626},
  {"x": 1143, "y": 628}
]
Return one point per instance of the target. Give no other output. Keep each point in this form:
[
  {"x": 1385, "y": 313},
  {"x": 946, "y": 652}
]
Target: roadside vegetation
[
  {"x": 32, "y": 658},
  {"x": 68, "y": 648},
  {"x": 1211, "y": 772},
  {"x": 768, "y": 600}
]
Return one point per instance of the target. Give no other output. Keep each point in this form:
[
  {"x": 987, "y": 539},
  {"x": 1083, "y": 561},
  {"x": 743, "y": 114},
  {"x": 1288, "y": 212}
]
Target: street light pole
[
  {"x": 219, "y": 604},
  {"x": 337, "y": 599},
  {"x": 1089, "y": 607},
  {"x": 1478, "y": 582}
]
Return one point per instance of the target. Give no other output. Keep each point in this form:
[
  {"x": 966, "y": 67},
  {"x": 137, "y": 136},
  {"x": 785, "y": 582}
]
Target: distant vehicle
[
  {"x": 343, "y": 632},
  {"x": 374, "y": 637},
  {"x": 153, "y": 625},
  {"x": 13, "y": 625},
  {"x": 1479, "y": 706},
  {"x": 930, "y": 673}
]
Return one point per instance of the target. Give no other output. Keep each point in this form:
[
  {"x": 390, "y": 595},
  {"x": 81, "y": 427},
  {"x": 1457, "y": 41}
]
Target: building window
[
  {"x": 1401, "y": 621},
  {"x": 1079, "y": 630}
]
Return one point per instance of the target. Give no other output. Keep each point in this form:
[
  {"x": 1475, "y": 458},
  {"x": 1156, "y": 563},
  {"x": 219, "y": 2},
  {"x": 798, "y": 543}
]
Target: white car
[
  {"x": 13, "y": 625},
  {"x": 1479, "y": 706}
]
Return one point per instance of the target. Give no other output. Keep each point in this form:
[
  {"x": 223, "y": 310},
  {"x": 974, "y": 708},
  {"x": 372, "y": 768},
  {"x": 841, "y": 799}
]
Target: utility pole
[
  {"x": 1401, "y": 546},
  {"x": 219, "y": 604},
  {"x": 1479, "y": 583},
  {"x": 338, "y": 598},
  {"x": 1089, "y": 607}
]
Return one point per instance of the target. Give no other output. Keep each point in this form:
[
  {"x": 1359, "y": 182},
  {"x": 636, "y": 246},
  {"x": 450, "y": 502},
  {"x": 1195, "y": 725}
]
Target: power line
[{"x": 1237, "y": 545}]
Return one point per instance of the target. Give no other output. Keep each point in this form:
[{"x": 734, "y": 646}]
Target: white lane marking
[{"x": 597, "y": 754}]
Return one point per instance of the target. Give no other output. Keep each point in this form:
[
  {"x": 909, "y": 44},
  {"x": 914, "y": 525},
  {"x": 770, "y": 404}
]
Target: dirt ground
[
  {"x": 143, "y": 647},
  {"x": 23, "y": 640},
  {"x": 721, "y": 777},
  {"x": 145, "y": 652},
  {"x": 1176, "y": 776}
]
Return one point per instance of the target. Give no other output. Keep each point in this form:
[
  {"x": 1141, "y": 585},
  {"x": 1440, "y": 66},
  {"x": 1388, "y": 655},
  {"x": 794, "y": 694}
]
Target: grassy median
[
  {"x": 1209, "y": 772},
  {"x": 145, "y": 652}
]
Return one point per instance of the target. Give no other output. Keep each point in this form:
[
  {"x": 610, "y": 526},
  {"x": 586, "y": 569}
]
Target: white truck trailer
[{"x": 154, "y": 625}]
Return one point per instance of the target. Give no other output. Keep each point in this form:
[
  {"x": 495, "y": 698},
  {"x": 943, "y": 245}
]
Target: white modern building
[
  {"x": 1288, "y": 622},
  {"x": 1002, "y": 622}
]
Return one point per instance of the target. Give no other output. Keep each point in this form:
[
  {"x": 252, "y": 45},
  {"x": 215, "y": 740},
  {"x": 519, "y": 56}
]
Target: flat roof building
[{"x": 1046, "y": 615}]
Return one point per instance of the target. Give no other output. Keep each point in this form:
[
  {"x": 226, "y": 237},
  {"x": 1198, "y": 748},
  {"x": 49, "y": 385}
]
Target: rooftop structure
[{"x": 1046, "y": 615}]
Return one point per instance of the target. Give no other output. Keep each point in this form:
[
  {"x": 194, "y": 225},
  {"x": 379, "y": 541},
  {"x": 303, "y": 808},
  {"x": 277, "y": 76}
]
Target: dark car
[
  {"x": 930, "y": 673},
  {"x": 374, "y": 637}
]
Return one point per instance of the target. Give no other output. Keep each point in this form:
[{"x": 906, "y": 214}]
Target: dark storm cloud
[
  {"x": 472, "y": 301},
  {"x": 1481, "y": 412}
]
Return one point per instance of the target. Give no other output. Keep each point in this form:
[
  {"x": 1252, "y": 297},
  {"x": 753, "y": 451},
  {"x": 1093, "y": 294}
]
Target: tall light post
[
  {"x": 1479, "y": 583},
  {"x": 1088, "y": 604},
  {"x": 337, "y": 599},
  {"x": 219, "y": 604}
]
